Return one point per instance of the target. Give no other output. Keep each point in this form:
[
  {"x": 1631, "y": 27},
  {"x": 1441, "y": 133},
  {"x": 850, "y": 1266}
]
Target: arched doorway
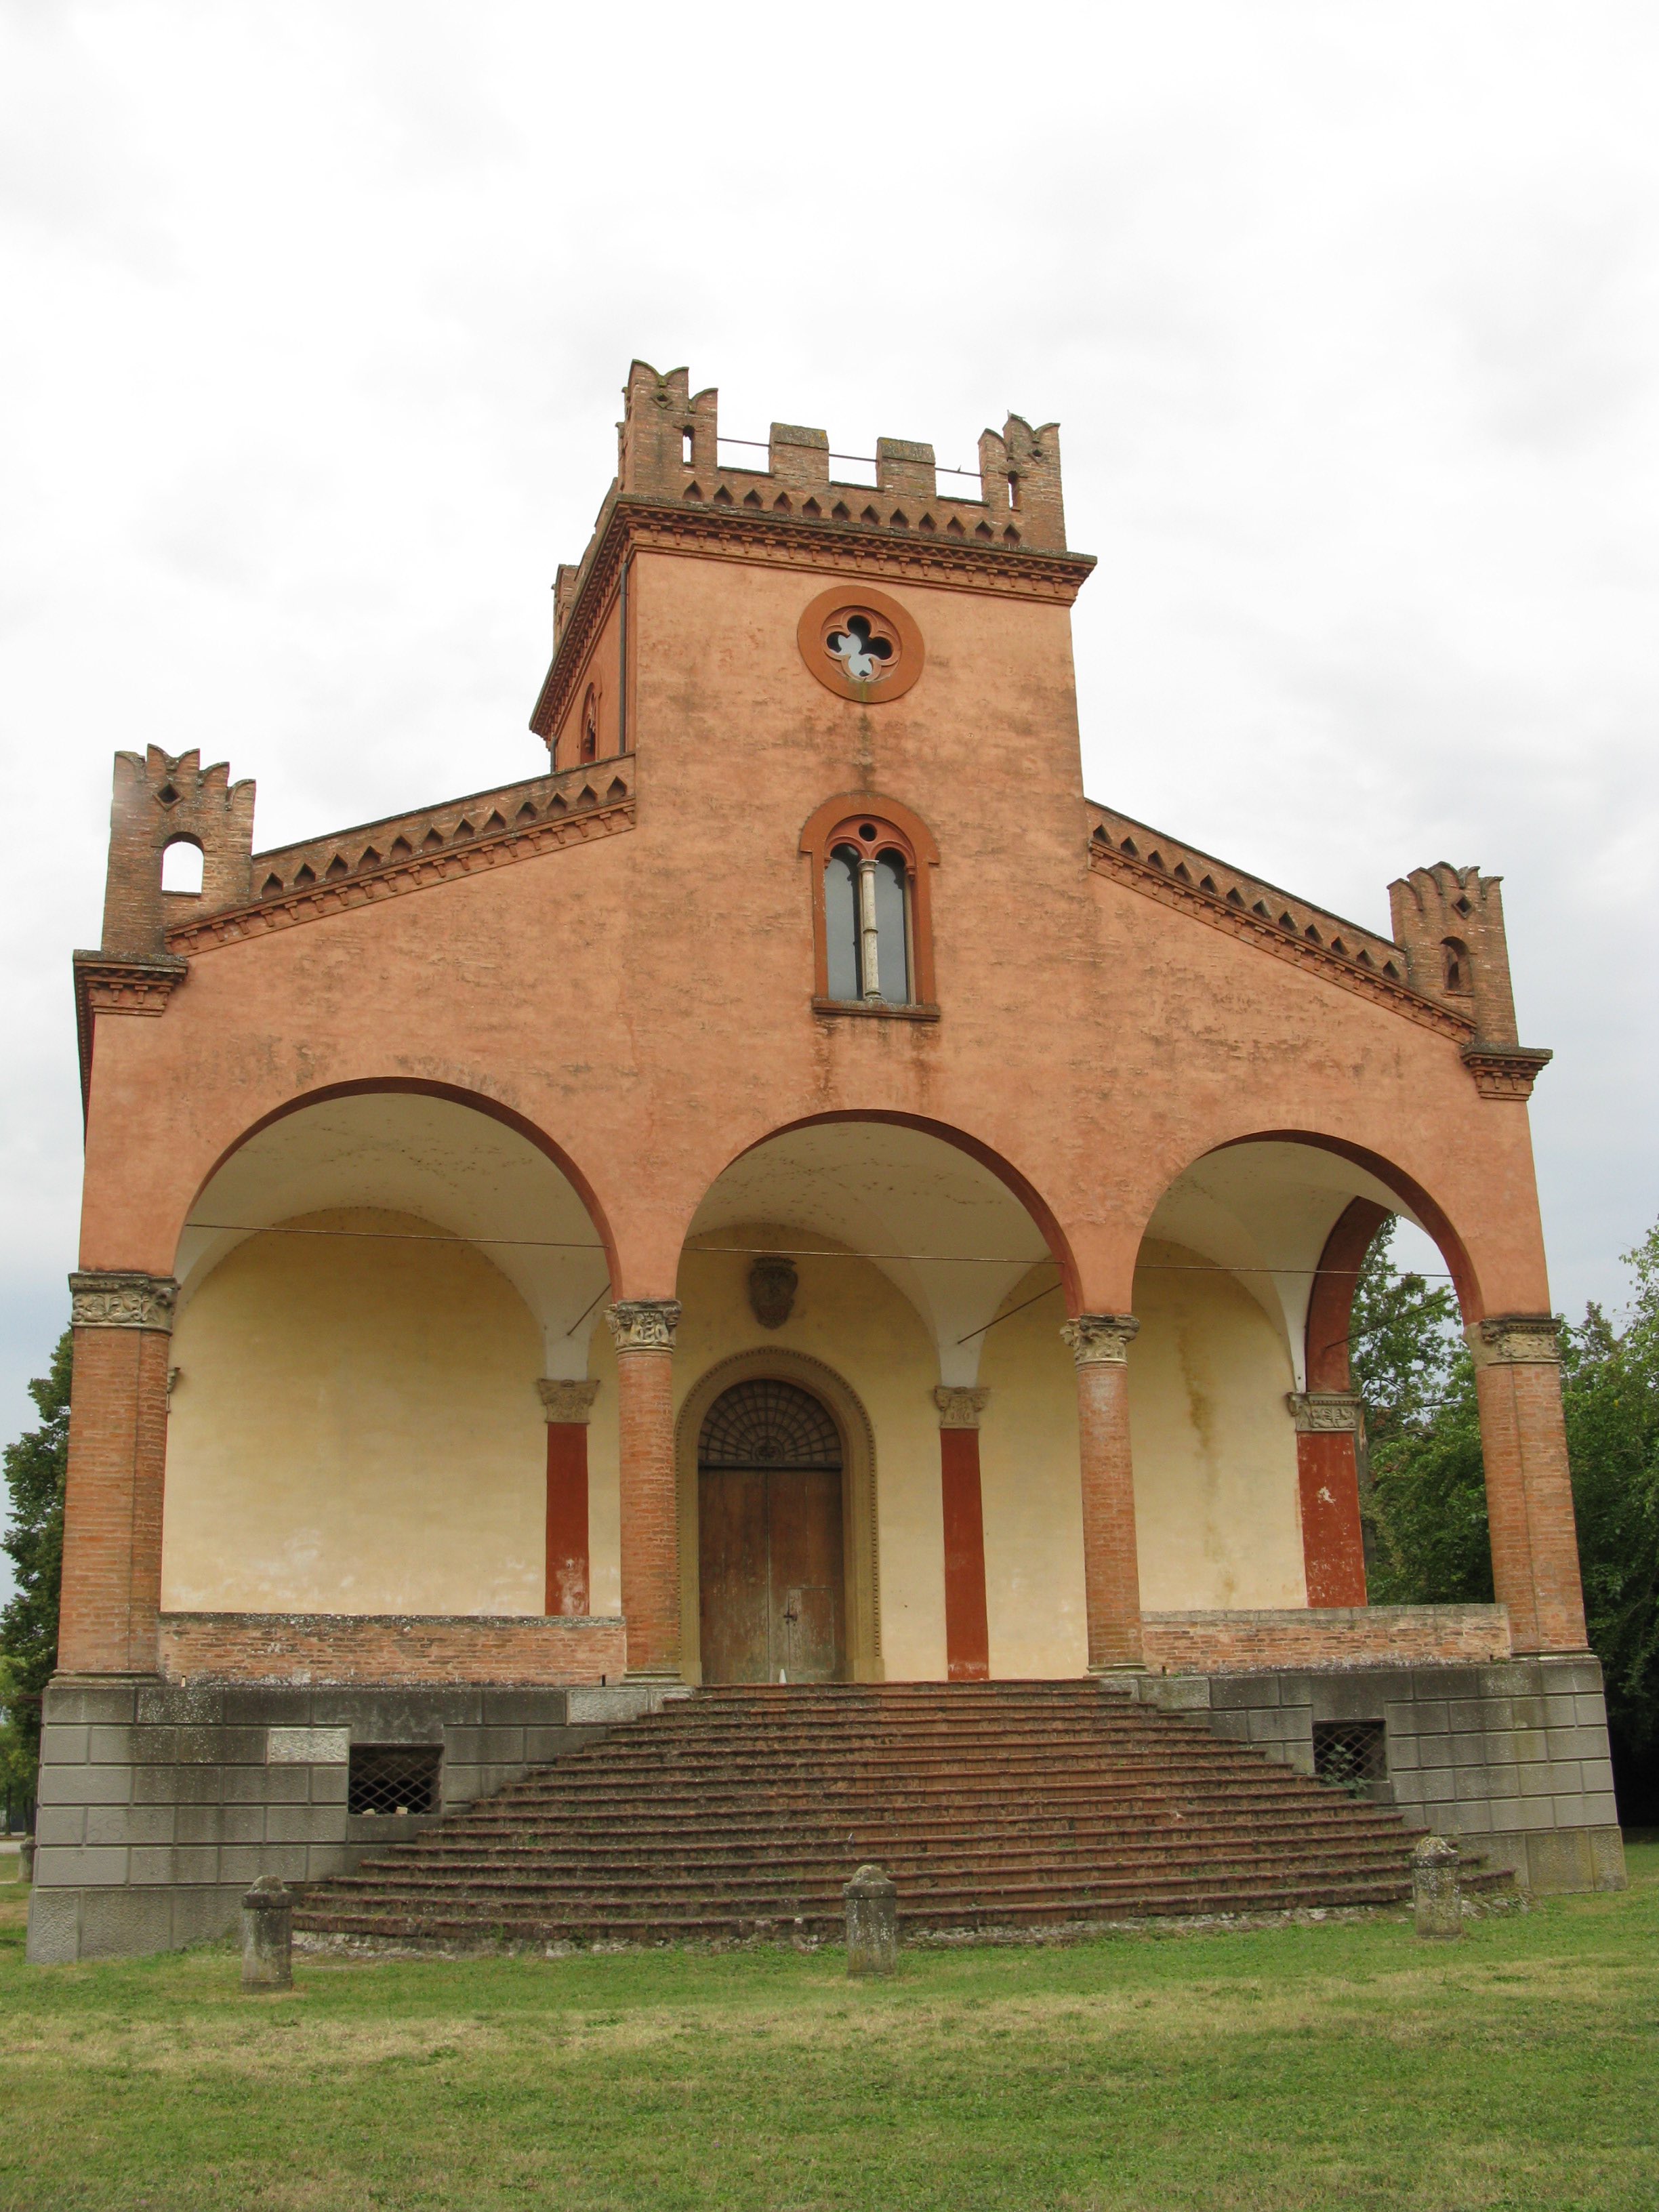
[{"x": 771, "y": 1559}]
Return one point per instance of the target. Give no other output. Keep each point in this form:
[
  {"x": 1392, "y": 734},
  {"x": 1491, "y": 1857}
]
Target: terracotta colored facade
[{"x": 799, "y": 1027}]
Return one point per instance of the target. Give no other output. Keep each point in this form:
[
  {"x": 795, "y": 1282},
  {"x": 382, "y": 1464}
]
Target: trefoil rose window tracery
[{"x": 861, "y": 644}]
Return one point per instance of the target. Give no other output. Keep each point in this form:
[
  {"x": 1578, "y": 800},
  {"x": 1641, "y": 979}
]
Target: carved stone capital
[
  {"x": 644, "y": 1324},
  {"x": 1515, "y": 1341},
  {"x": 118, "y": 1298},
  {"x": 1100, "y": 1340},
  {"x": 1505, "y": 1071},
  {"x": 1324, "y": 1412},
  {"x": 959, "y": 1409},
  {"x": 564, "y": 1402}
]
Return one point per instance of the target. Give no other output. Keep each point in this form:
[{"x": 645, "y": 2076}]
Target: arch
[
  {"x": 457, "y": 1095},
  {"x": 1330, "y": 1306},
  {"x": 859, "y": 1495},
  {"x": 184, "y": 845},
  {"x": 962, "y": 1141},
  {"x": 1418, "y": 1201}
]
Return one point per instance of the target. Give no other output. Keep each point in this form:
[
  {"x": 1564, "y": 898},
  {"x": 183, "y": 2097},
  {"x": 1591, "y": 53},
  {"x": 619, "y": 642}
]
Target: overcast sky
[{"x": 317, "y": 316}]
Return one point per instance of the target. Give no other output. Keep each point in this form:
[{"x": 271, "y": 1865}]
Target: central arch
[{"x": 821, "y": 1434}]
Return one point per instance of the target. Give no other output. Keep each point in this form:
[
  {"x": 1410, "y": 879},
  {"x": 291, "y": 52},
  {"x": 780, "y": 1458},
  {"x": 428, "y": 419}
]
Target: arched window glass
[
  {"x": 181, "y": 866},
  {"x": 840, "y": 919},
  {"x": 590, "y": 727},
  {"x": 892, "y": 937}
]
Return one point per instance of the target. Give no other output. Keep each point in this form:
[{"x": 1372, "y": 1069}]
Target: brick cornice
[
  {"x": 424, "y": 872},
  {"x": 1505, "y": 1071},
  {"x": 703, "y": 530},
  {"x": 1155, "y": 877}
]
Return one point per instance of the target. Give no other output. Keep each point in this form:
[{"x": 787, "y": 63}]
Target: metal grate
[
  {"x": 393, "y": 1777},
  {"x": 1350, "y": 1753},
  {"x": 768, "y": 1423}
]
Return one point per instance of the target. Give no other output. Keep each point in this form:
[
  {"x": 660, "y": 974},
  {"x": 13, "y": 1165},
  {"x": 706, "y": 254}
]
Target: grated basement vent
[
  {"x": 393, "y": 1777},
  {"x": 1350, "y": 1753}
]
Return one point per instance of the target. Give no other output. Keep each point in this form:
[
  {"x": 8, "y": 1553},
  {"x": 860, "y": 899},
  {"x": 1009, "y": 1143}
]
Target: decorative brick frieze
[
  {"x": 959, "y": 1409},
  {"x": 572, "y": 807},
  {"x": 1100, "y": 1339},
  {"x": 1318, "y": 1412},
  {"x": 565, "y": 1403},
  {"x": 644, "y": 1324},
  {"x": 120, "y": 1298},
  {"x": 1207, "y": 1642},
  {"x": 322, "y": 1648},
  {"x": 1515, "y": 1341},
  {"x": 1196, "y": 882},
  {"x": 1505, "y": 1071}
]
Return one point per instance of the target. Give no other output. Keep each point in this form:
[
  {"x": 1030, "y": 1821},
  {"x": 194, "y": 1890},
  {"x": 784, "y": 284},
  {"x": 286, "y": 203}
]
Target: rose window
[{"x": 861, "y": 647}]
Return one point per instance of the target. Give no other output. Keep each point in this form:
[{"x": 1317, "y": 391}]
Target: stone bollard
[
  {"x": 871, "y": 1922},
  {"x": 268, "y": 1935},
  {"x": 1435, "y": 1893},
  {"x": 25, "y": 1860}
]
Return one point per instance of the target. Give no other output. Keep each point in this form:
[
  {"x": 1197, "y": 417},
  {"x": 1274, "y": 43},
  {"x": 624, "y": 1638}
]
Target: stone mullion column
[
  {"x": 1328, "y": 1478},
  {"x": 967, "y": 1633},
  {"x": 568, "y": 1407},
  {"x": 1523, "y": 1442},
  {"x": 642, "y": 1330},
  {"x": 118, "y": 1443},
  {"x": 1111, "y": 1569}
]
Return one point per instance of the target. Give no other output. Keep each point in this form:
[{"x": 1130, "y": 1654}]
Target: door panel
[
  {"x": 771, "y": 1576},
  {"x": 733, "y": 1575}
]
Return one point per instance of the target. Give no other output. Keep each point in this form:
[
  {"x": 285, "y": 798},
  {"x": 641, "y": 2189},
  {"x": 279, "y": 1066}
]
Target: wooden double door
[{"x": 770, "y": 1550}]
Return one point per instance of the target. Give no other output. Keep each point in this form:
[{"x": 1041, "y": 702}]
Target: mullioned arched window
[{"x": 870, "y": 908}]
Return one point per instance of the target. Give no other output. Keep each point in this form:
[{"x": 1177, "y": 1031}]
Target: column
[
  {"x": 642, "y": 1330},
  {"x": 967, "y": 1638},
  {"x": 1111, "y": 1572},
  {"x": 118, "y": 1443},
  {"x": 1523, "y": 1442},
  {"x": 1328, "y": 1476},
  {"x": 568, "y": 1407}
]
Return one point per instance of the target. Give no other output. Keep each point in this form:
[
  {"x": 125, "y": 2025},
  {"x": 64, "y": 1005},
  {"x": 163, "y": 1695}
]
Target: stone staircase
[{"x": 741, "y": 1812}]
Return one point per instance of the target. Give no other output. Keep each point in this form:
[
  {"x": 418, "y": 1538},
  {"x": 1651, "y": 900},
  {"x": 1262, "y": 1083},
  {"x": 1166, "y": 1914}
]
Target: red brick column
[
  {"x": 118, "y": 1444},
  {"x": 567, "y": 1405},
  {"x": 1111, "y": 1571},
  {"x": 643, "y": 1332},
  {"x": 1523, "y": 1441},
  {"x": 1328, "y": 1478},
  {"x": 967, "y": 1635},
  {"x": 1327, "y": 1417}
]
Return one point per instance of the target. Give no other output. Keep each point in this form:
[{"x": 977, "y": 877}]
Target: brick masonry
[
  {"x": 347, "y": 1648},
  {"x": 1510, "y": 1757},
  {"x": 1325, "y": 1637},
  {"x": 160, "y": 1802}
]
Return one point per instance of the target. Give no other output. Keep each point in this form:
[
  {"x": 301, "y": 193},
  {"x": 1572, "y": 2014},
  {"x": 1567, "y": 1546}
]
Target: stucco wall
[
  {"x": 355, "y": 1429},
  {"x": 1216, "y": 1504}
]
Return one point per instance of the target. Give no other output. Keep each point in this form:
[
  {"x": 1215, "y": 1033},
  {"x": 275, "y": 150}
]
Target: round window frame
[{"x": 832, "y": 609}]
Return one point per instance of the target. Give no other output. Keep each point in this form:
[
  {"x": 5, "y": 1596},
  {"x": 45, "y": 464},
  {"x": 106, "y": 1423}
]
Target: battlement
[
  {"x": 162, "y": 799},
  {"x": 669, "y": 448},
  {"x": 1450, "y": 923}
]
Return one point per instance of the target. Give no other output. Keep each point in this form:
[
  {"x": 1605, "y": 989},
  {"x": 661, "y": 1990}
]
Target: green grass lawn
[{"x": 1340, "y": 2065}]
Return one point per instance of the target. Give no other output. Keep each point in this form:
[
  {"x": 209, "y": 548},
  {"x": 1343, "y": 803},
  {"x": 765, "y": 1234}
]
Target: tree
[
  {"x": 35, "y": 1468},
  {"x": 1424, "y": 1499}
]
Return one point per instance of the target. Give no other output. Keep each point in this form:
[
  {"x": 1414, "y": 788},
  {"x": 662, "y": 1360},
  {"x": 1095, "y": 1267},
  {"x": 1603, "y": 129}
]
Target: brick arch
[
  {"x": 961, "y": 1140},
  {"x": 1434, "y": 1220},
  {"x": 457, "y": 1095}
]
